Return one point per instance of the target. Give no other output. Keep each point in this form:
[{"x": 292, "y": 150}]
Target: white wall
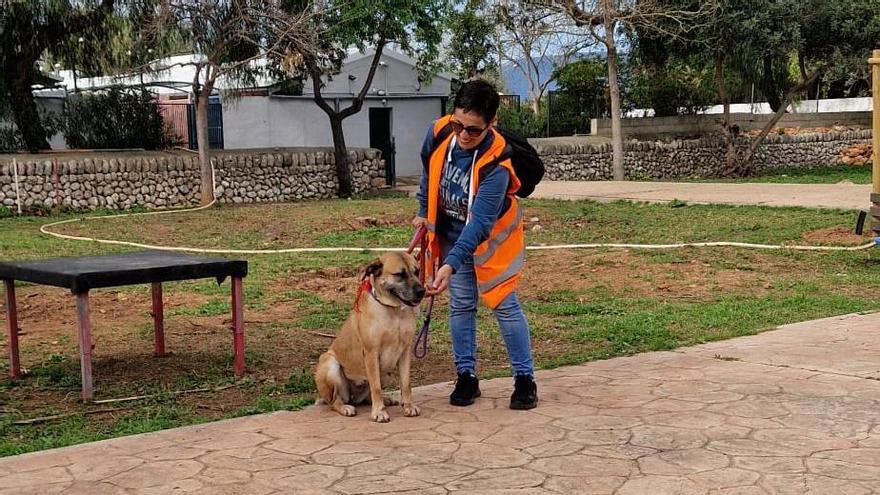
[
  {"x": 395, "y": 77},
  {"x": 49, "y": 105},
  {"x": 260, "y": 122},
  {"x": 861, "y": 104}
]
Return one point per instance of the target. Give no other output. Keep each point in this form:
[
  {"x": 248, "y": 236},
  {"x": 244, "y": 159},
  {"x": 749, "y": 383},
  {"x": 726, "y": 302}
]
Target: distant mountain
[{"x": 517, "y": 83}]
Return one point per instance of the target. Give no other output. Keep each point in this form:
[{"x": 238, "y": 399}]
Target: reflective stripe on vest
[
  {"x": 496, "y": 241},
  {"x": 513, "y": 269}
]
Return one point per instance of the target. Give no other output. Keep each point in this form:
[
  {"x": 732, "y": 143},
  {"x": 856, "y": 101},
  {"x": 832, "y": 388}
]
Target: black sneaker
[
  {"x": 467, "y": 388},
  {"x": 525, "y": 393}
]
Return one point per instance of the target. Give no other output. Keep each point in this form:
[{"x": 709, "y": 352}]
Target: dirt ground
[{"x": 277, "y": 344}]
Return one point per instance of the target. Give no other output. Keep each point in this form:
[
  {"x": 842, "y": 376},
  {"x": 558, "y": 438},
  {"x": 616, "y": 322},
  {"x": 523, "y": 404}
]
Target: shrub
[
  {"x": 523, "y": 121},
  {"x": 115, "y": 118}
]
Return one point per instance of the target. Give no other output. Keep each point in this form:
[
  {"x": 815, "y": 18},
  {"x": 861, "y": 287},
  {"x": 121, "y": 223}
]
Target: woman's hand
[
  {"x": 441, "y": 281},
  {"x": 419, "y": 222}
]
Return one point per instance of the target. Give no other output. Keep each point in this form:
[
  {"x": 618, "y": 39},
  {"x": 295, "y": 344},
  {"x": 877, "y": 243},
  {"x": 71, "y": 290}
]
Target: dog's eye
[{"x": 401, "y": 274}]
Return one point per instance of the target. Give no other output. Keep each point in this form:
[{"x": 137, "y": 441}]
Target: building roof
[{"x": 174, "y": 75}]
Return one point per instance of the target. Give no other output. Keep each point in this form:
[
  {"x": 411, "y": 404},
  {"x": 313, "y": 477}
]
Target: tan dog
[{"x": 375, "y": 341}]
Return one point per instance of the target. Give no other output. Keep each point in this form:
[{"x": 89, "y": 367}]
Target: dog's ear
[{"x": 374, "y": 269}]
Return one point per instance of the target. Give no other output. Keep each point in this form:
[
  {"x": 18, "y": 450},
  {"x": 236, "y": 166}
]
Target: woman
[{"x": 475, "y": 228}]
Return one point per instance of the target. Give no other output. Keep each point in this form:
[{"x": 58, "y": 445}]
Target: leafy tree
[
  {"x": 523, "y": 120},
  {"x": 412, "y": 25},
  {"x": 582, "y": 95},
  {"x": 607, "y": 21},
  {"x": 28, "y": 28},
  {"x": 676, "y": 88},
  {"x": 472, "y": 46},
  {"x": 785, "y": 46},
  {"x": 228, "y": 40}
]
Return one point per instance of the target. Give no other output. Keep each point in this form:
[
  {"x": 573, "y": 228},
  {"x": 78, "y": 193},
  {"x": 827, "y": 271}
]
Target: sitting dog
[{"x": 374, "y": 341}]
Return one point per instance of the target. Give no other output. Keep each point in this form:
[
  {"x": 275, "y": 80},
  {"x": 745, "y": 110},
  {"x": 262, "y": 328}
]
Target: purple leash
[
  {"x": 420, "y": 345},
  {"x": 422, "y": 337}
]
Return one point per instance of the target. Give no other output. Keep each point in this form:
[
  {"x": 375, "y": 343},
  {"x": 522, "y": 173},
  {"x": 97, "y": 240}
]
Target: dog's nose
[{"x": 420, "y": 291}]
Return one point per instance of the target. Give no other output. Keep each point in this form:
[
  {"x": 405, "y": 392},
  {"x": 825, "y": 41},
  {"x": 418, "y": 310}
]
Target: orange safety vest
[{"x": 498, "y": 260}]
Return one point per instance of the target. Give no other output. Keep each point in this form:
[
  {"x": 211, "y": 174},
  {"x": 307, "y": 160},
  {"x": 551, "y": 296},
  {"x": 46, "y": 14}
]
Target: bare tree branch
[
  {"x": 534, "y": 35},
  {"x": 355, "y": 106}
]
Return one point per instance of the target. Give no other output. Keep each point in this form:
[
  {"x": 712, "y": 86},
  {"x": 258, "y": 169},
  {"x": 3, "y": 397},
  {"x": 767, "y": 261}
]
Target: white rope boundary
[{"x": 45, "y": 230}]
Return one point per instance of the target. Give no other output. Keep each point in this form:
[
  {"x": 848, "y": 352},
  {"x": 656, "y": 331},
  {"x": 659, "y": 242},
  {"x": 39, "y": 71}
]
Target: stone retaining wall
[
  {"x": 164, "y": 180},
  {"x": 708, "y": 124},
  {"x": 565, "y": 160}
]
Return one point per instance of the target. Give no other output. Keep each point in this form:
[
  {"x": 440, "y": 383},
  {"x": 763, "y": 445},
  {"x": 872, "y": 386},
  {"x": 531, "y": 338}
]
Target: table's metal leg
[
  {"x": 238, "y": 325},
  {"x": 158, "y": 320},
  {"x": 84, "y": 322},
  {"x": 12, "y": 326}
]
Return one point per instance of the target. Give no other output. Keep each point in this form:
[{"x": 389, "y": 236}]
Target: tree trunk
[
  {"x": 614, "y": 90},
  {"x": 534, "y": 88},
  {"x": 786, "y": 101},
  {"x": 343, "y": 168},
  {"x": 769, "y": 87},
  {"x": 340, "y": 152},
  {"x": 24, "y": 108},
  {"x": 731, "y": 167},
  {"x": 536, "y": 104},
  {"x": 207, "y": 187}
]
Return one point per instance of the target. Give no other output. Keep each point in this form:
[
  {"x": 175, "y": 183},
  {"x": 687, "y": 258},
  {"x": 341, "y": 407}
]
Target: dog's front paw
[
  {"x": 348, "y": 410},
  {"x": 411, "y": 410},
  {"x": 380, "y": 416}
]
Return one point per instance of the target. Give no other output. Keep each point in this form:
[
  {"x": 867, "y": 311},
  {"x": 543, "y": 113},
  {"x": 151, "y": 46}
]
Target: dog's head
[{"x": 397, "y": 275}]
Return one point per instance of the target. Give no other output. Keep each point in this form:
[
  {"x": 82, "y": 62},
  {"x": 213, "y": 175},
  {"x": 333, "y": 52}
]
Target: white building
[{"x": 395, "y": 116}]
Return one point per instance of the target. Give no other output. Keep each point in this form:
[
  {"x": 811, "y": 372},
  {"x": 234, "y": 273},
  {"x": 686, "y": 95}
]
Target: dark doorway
[{"x": 382, "y": 139}]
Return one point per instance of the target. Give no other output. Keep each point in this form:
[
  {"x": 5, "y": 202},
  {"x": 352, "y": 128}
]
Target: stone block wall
[
  {"x": 565, "y": 160},
  {"x": 166, "y": 180}
]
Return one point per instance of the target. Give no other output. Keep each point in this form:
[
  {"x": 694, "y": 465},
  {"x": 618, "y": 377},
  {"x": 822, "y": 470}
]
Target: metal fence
[
  {"x": 510, "y": 100},
  {"x": 180, "y": 118}
]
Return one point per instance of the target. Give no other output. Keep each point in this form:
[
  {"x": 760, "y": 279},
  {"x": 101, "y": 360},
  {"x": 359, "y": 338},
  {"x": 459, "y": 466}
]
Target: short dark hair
[{"x": 478, "y": 96}]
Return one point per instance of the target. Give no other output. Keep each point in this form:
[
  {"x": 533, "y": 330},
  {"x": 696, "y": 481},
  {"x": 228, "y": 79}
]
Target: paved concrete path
[
  {"x": 844, "y": 196},
  {"x": 791, "y": 411}
]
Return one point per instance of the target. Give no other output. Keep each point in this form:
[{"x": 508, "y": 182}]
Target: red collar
[
  {"x": 364, "y": 286},
  {"x": 367, "y": 287}
]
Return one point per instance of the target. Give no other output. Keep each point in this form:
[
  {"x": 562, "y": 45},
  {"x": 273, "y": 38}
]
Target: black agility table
[{"x": 93, "y": 272}]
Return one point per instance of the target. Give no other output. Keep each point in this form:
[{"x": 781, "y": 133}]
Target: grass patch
[
  {"x": 213, "y": 307},
  {"x": 57, "y": 371},
  {"x": 857, "y": 174},
  {"x": 616, "y": 327},
  {"x": 271, "y": 404},
  {"x": 19, "y": 439},
  {"x": 572, "y": 320},
  {"x": 300, "y": 382}
]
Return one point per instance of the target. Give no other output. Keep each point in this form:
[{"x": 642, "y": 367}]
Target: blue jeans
[{"x": 464, "y": 297}]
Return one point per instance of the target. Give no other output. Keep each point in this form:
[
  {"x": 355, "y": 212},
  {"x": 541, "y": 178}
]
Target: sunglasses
[{"x": 472, "y": 130}]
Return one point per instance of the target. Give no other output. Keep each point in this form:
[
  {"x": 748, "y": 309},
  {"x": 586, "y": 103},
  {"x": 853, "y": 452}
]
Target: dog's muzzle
[{"x": 414, "y": 299}]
